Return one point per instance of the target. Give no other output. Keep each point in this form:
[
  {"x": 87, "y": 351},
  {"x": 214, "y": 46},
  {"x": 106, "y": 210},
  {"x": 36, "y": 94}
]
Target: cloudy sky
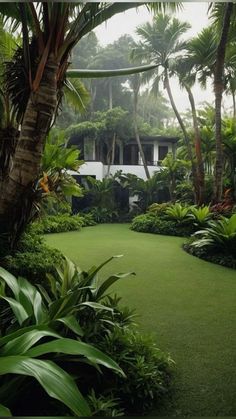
[{"x": 193, "y": 12}]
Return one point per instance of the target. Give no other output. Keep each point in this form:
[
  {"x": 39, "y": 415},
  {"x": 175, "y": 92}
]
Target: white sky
[{"x": 193, "y": 12}]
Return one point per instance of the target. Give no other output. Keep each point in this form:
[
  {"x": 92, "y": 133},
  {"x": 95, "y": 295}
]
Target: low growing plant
[
  {"x": 178, "y": 213},
  {"x": 220, "y": 236},
  {"x": 200, "y": 216}
]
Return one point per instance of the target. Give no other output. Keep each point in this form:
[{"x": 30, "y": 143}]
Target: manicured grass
[{"x": 186, "y": 303}]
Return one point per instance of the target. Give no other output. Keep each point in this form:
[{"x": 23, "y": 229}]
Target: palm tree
[
  {"x": 161, "y": 43},
  {"x": 209, "y": 51},
  {"x": 183, "y": 69},
  {"x": 35, "y": 78}
]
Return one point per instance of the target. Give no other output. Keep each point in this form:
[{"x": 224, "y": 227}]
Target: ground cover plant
[{"x": 187, "y": 304}]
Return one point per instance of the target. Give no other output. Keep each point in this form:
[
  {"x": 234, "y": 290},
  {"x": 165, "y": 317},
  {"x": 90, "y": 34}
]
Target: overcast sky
[{"x": 193, "y": 12}]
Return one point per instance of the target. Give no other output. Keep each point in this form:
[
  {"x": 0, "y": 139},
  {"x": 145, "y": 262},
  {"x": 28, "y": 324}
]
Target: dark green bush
[
  {"x": 148, "y": 370},
  {"x": 58, "y": 224},
  {"x": 148, "y": 223},
  {"x": 32, "y": 259},
  {"x": 211, "y": 256}
]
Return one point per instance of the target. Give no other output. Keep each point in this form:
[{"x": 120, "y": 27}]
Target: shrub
[
  {"x": 103, "y": 215},
  {"x": 148, "y": 370},
  {"x": 200, "y": 215},
  {"x": 219, "y": 236},
  {"x": 33, "y": 259},
  {"x": 58, "y": 224},
  {"x": 20, "y": 347},
  {"x": 78, "y": 305},
  {"x": 178, "y": 213},
  {"x": 148, "y": 223},
  {"x": 158, "y": 209}
]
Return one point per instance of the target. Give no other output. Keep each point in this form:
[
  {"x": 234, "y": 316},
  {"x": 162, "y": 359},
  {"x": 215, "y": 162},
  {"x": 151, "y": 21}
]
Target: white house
[{"x": 126, "y": 156}]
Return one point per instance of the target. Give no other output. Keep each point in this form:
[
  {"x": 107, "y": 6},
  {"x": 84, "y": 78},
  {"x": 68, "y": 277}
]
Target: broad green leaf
[
  {"x": 72, "y": 324},
  {"x": 4, "y": 411},
  {"x": 20, "y": 332},
  {"x": 22, "y": 344},
  {"x": 17, "y": 309},
  {"x": 31, "y": 297},
  {"x": 61, "y": 307},
  {"x": 56, "y": 382},
  {"x": 86, "y": 73},
  {"x": 73, "y": 347},
  {"x": 11, "y": 281},
  {"x": 96, "y": 306},
  {"x": 109, "y": 281},
  {"x": 94, "y": 270}
]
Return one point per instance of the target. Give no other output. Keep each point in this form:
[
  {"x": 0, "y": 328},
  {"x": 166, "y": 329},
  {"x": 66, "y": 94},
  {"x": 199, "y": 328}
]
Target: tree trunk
[
  {"x": 110, "y": 94},
  {"x": 218, "y": 89},
  {"x": 234, "y": 105},
  {"x": 17, "y": 192},
  {"x": 198, "y": 150},
  {"x": 186, "y": 139},
  {"x": 140, "y": 148},
  {"x": 111, "y": 154}
]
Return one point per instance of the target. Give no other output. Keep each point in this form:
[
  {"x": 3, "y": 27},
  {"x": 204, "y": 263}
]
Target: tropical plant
[
  {"x": 173, "y": 169},
  {"x": 34, "y": 321},
  {"x": 200, "y": 215},
  {"x": 220, "y": 236},
  {"x": 36, "y": 75},
  {"x": 178, "y": 212},
  {"x": 161, "y": 42}
]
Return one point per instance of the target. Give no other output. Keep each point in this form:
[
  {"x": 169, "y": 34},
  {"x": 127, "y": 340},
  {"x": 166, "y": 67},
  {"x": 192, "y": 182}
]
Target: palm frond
[{"x": 76, "y": 94}]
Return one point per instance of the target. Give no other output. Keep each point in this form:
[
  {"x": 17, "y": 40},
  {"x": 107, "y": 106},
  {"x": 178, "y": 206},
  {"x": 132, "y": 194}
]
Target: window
[{"x": 162, "y": 152}]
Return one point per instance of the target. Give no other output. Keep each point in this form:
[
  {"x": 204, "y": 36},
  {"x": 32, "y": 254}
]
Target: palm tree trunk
[
  {"x": 186, "y": 138},
  {"x": 140, "y": 148},
  {"x": 198, "y": 149},
  {"x": 234, "y": 104},
  {"x": 17, "y": 191},
  {"x": 110, "y": 93},
  {"x": 218, "y": 89}
]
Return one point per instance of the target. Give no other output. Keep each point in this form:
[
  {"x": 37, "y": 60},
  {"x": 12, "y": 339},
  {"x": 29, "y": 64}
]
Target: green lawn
[{"x": 186, "y": 303}]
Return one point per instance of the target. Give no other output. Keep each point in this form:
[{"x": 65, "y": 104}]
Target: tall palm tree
[
  {"x": 161, "y": 43},
  {"x": 183, "y": 69},
  {"x": 209, "y": 50},
  {"x": 35, "y": 78}
]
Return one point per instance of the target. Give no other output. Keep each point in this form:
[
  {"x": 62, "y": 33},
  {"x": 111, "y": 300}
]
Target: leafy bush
[
  {"x": 103, "y": 215},
  {"x": 158, "y": 209},
  {"x": 103, "y": 406},
  {"x": 200, "y": 216},
  {"x": 184, "y": 192},
  {"x": 58, "y": 224},
  {"x": 148, "y": 223},
  {"x": 20, "y": 349},
  {"x": 178, "y": 213},
  {"x": 219, "y": 236},
  {"x": 76, "y": 305},
  {"x": 148, "y": 370},
  {"x": 210, "y": 255},
  {"x": 33, "y": 259}
]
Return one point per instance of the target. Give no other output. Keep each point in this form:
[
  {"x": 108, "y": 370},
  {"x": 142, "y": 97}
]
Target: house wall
[
  {"x": 92, "y": 168},
  {"x": 133, "y": 169}
]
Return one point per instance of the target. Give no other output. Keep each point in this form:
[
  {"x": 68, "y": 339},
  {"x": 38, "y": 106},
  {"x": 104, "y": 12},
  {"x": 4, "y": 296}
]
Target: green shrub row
[
  {"x": 62, "y": 223},
  {"x": 149, "y": 223}
]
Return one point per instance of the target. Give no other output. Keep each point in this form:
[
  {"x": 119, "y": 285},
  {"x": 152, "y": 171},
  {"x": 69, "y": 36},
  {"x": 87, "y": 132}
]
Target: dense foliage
[{"x": 85, "y": 328}]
